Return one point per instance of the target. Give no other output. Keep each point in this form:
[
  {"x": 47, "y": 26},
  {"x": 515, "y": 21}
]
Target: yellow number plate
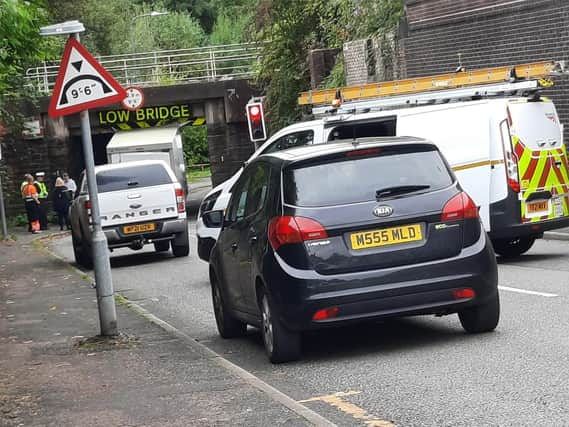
[
  {"x": 538, "y": 207},
  {"x": 386, "y": 236},
  {"x": 138, "y": 228}
]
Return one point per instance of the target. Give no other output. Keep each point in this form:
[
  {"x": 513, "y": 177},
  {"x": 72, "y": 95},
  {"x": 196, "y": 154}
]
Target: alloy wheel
[{"x": 267, "y": 324}]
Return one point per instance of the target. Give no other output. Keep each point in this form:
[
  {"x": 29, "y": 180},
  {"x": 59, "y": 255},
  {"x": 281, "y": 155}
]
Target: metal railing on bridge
[{"x": 193, "y": 65}]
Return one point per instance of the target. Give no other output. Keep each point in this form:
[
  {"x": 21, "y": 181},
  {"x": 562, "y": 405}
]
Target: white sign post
[{"x": 82, "y": 83}]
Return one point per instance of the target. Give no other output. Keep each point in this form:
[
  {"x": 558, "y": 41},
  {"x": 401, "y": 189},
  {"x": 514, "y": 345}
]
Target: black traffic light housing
[{"x": 256, "y": 120}]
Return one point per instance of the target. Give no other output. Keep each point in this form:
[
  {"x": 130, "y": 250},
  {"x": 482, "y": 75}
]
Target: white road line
[{"x": 525, "y": 291}]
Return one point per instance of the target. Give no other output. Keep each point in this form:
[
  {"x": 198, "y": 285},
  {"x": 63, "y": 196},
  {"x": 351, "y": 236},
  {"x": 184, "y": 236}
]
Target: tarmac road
[{"x": 415, "y": 372}]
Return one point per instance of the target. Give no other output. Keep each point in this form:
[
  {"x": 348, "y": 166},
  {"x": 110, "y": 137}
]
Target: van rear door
[{"x": 537, "y": 141}]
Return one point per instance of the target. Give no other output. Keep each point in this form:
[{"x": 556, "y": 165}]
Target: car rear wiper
[{"x": 399, "y": 189}]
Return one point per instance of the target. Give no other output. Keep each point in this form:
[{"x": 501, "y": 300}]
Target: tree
[{"x": 20, "y": 47}]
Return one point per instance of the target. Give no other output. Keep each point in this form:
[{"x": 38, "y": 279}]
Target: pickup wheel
[
  {"x": 181, "y": 244},
  {"x": 82, "y": 252},
  {"x": 162, "y": 246}
]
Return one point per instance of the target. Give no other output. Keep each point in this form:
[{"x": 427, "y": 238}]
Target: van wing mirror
[{"x": 213, "y": 219}]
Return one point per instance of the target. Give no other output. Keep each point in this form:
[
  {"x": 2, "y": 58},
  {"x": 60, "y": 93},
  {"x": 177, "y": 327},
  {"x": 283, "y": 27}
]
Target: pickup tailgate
[{"x": 137, "y": 205}]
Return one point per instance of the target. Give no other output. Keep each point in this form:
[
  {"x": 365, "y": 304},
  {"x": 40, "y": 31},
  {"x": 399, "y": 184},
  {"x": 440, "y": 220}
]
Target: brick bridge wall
[{"x": 486, "y": 33}]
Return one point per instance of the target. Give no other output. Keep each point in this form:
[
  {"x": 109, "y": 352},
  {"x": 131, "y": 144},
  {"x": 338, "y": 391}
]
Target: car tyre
[
  {"x": 481, "y": 318},
  {"x": 281, "y": 344},
  {"x": 227, "y": 325},
  {"x": 82, "y": 253},
  {"x": 162, "y": 246},
  {"x": 511, "y": 248},
  {"x": 181, "y": 244}
]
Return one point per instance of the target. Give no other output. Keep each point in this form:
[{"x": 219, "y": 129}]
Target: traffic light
[{"x": 256, "y": 120}]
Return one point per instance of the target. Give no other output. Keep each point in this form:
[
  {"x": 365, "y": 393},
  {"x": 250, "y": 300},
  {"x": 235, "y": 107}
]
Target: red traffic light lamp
[{"x": 256, "y": 121}]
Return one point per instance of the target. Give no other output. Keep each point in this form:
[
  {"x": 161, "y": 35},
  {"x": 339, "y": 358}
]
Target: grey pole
[
  {"x": 3, "y": 213},
  {"x": 101, "y": 263}
]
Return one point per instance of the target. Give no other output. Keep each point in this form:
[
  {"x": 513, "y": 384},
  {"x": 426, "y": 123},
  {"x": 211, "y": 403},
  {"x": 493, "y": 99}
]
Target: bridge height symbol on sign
[{"x": 82, "y": 83}]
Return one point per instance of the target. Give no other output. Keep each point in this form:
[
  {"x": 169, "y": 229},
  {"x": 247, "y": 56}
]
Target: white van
[
  {"x": 160, "y": 143},
  {"x": 507, "y": 153}
]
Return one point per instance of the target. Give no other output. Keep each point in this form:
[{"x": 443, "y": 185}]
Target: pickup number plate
[
  {"x": 138, "y": 228},
  {"x": 386, "y": 236}
]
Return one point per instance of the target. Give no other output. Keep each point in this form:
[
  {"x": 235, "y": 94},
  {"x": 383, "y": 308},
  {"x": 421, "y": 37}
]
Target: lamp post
[{"x": 151, "y": 14}]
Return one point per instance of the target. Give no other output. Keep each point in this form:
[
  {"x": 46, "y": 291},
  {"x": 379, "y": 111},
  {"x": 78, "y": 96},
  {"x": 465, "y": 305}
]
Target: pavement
[
  {"x": 561, "y": 234},
  {"x": 55, "y": 371}
]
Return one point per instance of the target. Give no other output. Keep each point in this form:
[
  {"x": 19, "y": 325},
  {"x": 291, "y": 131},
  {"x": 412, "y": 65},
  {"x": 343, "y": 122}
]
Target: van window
[
  {"x": 385, "y": 127},
  {"x": 132, "y": 177},
  {"x": 352, "y": 180},
  {"x": 295, "y": 139}
]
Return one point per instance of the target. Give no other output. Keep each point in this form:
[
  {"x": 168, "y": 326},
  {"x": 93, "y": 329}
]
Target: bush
[{"x": 195, "y": 144}]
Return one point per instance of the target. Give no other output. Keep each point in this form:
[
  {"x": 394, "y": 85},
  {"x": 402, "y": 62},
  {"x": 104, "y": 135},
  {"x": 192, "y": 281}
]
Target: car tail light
[
  {"x": 180, "y": 200},
  {"x": 460, "y": 206},
  {"x": 464, "y": 293},
  {"x": 87, "y": 204},
  {"x": 326, "y": 313},
  {"x": 284, "y": 230}
]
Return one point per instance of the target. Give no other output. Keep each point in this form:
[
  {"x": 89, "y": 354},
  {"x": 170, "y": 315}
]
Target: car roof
[{"x": 316, "y": 150}]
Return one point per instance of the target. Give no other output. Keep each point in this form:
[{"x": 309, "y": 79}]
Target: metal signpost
[{"x": 82, "y": 83}]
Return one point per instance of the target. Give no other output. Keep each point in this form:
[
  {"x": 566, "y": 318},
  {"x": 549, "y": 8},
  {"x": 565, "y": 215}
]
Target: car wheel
[
  {"x": 227, "y": 325},
  {"x": 281, "y": 344},
  {"x": 481, "y": 318},
  {"x": 181, "y": 244},
  {"x": 162, "y": 246},
  {"x": 510, "y": 248}
]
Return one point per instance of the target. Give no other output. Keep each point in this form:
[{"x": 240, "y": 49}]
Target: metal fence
[{"x": 166, "y": 67}]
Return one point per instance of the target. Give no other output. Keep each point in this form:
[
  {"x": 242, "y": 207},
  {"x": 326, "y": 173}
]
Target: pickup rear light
[
  {"x": 284, "y": 230},
  {"x": 181, "y": 200},
  {"x": 460, "y": 206},
  {"x": 365, "y": 152}
]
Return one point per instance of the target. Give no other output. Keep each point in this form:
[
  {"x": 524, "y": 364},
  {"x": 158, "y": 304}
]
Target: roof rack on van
[{"x": 523, "y": 79}]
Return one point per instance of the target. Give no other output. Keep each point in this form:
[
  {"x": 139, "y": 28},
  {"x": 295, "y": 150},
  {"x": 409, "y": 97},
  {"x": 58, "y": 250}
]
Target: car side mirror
[{"x": 213, "y": 219}]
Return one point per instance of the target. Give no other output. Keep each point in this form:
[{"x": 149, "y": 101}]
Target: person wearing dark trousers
[
  {"x": 42, "y": 197},
  {"x": 31, "y": 201},
  {"x": 24, "y": 197},
  {"x": 61, "y": 200}
]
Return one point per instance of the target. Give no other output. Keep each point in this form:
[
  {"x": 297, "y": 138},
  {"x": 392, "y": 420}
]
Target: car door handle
[
  {"x": 253, "y": 240},
  {"x": 234, "y": 247}
]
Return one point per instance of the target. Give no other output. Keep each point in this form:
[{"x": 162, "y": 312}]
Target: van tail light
[
  {"x": 460, "y": 206},
  {"x": 87, "y": 204},
  {"x": 180, "y": 199},
  {"x": 284, "y": 230},
  {"x": 510, "y": 157}
]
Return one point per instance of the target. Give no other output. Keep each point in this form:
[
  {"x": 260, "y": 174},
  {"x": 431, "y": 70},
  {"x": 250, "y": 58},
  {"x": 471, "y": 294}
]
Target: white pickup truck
[{"x": 140, "y": 202}]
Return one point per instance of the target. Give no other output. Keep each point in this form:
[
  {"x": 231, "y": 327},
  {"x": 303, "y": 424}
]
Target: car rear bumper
[
  {"x": 425, "y": 288},
  {"x": 165, "y": 230}
]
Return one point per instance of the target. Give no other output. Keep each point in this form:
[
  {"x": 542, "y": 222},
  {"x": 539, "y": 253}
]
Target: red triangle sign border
[{"x": 53, "y": 111}]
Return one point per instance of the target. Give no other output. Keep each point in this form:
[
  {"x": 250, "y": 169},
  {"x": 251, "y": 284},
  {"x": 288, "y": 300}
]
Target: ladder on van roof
[{"x": 523, "y": 79}]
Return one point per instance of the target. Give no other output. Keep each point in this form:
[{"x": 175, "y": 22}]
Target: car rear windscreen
[
  {"x": 132, "y": 177},
  {"x": 357, "y": 179}
]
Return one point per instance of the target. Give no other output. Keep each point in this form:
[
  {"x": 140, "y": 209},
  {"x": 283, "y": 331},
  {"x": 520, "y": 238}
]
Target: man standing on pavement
[
  {"x": 69, "y": 183},
  {"x": 25, "y": 182},
  {"x": 42, "y": 197},
  {"x": 32, "y": 203}
]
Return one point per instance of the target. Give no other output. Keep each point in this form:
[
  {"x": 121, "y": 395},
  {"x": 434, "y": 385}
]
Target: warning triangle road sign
[{"x": 82, "y": 83}]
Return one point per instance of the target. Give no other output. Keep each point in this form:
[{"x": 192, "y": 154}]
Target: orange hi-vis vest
[{"x": 29, "y": 191}]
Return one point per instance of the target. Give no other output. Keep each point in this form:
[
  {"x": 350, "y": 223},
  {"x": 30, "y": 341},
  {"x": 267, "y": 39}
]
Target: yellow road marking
[{"x": 349, "y": 408}]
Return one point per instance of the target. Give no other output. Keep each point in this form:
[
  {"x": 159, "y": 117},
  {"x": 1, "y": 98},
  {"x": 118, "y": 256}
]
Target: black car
[{"x": 335, "y": 233}]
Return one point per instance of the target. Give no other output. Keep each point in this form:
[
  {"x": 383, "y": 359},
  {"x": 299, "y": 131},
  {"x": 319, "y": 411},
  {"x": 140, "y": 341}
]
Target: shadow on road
[
  {"x": 393, "y": 335},
  {"x": 530, "y": 258}
]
